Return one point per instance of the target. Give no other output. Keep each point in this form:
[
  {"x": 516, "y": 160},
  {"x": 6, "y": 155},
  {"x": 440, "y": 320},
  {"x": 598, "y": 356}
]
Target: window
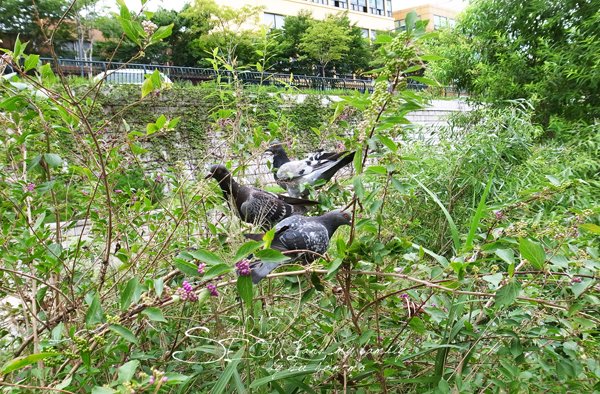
[
  {"x": 439, "y": 21},
  {"x": 452, "y": 22},
  {"x": 400, "y": 25},
  {"x": 276, "y": 21},
  {"x": 388, "y": 8},
  {"x": 358, "y": 5},
  {"x": 326, "y": 2},
  {"x": 340, "y": 4},
  {"x": 365, "y": 33},
  {"x": 376, "y": 7}
]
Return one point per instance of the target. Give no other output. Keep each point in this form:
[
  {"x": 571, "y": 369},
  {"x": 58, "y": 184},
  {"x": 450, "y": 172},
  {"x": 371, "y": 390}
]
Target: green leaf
[
  {"x": 335, "y": 264},
  {"x": 244, "y": 288},
  {"x": 359, "y": 189},
  {"x": 271, "y": 256},
  {"x": 507, "y": 255},
  {"x": 187, "y": 267},
  {"x": 481, "y": 208},
  {"x": 128, "y": 294},
  {"x": 388, "y": 142},
  {"x": 507, "y": 294},
  {"x": 131, "y": 30},
  {"x": 31, "y": 62},
  {"x": 225, "y": 377},
  {"x": 217, "y": 270},
  {"x": 357, "y": 161},
  {"x": 126, "y": 371},
  {"x": 452, "y": 225},
  {"x": 20, "y": 362},
  {"x": 376, "y": 170},
  {"x": 52, "y": 159},
  {"x": 246, "y": 249},
  {"x": 591, "y": 228},
  {"x": 383, "y": 39},
  {"x": 94, "y": 313},
  {"x": 305, "y": 370},
  {"x": 124, "y": 333},
  {"x": 147, "y": 87},
  {"x": 154, "y": 314},
  {"x": 13, "y": 103},
  {"x": 493, "y": 279},
  {"x": 161, "y": 121},
  {"x": 533, "y": 252},
  {"x": 160, "y": 33},
  {"x": 206, "y": 257},
  {"x": 102, "y": 390},
  {"x": 417, "y": 325}
]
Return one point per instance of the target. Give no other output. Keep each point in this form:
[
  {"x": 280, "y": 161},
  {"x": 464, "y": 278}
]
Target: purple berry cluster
[
  {"x": 201, "y": 268},
  {"x": 186, "y": 292},
  {"x": 243, "y": 267},
  {"x": 212, "y": 289}
]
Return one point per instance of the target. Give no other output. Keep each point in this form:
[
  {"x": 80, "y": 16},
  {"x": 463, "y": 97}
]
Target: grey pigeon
[
  {"x": 257, "y": 206},
  {"x": 302, "y": 233},
  {"x": 293, "y": 174}
]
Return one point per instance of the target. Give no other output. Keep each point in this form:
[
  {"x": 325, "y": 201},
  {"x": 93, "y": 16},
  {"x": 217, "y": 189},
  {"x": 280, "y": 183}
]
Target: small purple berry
[
  {"x": 243, "y": 267},
  {"x": 164, "y": 379},
  {"x": 118, "y": 191},
  {"x": 405, "y": 296},
  {"x": 201, "y": 268},
  {"x": 30, "y": 187},
  {"x": 151, "y": 380},
  {"x": 499, "y": 215},
  {"x": 576, "y": 279},
  {"x": 212, "y": 289}
]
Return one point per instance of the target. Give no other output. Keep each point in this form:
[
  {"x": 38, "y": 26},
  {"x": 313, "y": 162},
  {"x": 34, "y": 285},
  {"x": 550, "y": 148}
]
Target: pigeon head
[
  {"x": 218, "y": 171},
  {"x": 275, "y": 147},
  {"x": 337, "y": 218}
]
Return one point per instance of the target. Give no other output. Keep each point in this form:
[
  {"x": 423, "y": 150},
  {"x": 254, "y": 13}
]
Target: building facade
[
  {"x": 370, "y": 15},
  {"x": 439, "y": 17}
]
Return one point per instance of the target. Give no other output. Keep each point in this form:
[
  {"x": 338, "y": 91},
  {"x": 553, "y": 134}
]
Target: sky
[{"x": 152, "y": 5}]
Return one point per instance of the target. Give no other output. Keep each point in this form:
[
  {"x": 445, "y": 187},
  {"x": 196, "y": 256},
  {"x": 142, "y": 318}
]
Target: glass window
[
  {"x": 275, "y": 21},
  {"x": 326, "y": 2},
  {"x": 340, "y": 4},
  {"x": 358, "y": 5},
  {"x": 365, "y": 33},
  {"x": 439, "y": 21},
  {"x": 388, "y": 8},
  {"x": 400, "y": 25}
]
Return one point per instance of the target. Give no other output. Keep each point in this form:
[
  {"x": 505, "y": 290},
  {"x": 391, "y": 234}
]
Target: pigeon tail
[
  {"x": 330, "y": 172},
  {"x": 261, "y": 270}
]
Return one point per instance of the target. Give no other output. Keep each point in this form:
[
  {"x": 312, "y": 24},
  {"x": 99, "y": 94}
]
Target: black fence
[{"x": 135, "y": 73}]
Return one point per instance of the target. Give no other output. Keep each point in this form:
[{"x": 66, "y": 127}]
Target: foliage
[
  {"x": 325, "y": 41},
  {"x": 36, "y": 22},
  {"x": 471, "y": 263},
  {"x": 542, "y": 51}
]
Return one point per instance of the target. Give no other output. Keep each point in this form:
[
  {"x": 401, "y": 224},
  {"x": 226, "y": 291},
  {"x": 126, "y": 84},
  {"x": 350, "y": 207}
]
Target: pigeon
[
  {"x": 293, "y": 174},
  {"x": 257, "y": 206},
  {"x": 303, "y": 234}
]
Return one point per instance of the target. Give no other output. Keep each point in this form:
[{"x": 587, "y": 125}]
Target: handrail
[{"x": 198, "y": 74}]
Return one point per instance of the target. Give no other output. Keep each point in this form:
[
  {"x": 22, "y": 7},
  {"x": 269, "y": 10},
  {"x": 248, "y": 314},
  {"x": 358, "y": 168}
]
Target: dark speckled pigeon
[
  {"x": 303, "y": 233},
  {"x": 254, "y": 205},
  {"x": 292, "y": 174}
]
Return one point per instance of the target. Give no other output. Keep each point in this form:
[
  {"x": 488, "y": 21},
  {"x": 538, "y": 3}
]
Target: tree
[
  {"x": 359, "y": 53},
  {"x": 325, "y": 41},
  {"x": 36, "y": 22},
  {"x": 544, "y": 51},
  {"x": 228, "y": 30},
  {"x": 290, "y": 39}
]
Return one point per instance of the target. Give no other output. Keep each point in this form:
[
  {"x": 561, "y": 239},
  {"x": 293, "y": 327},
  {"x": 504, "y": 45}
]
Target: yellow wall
[{"x": 426, "y": 12}]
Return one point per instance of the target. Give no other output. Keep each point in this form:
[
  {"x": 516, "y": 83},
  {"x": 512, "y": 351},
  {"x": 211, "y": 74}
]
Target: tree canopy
[{"x": 544, "y": 51}]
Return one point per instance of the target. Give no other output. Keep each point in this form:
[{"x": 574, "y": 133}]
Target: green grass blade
[
  {"x": 223, "y": 381},
  {"x": 481, "y": 208},
  {"x": 453, "y": 228}
]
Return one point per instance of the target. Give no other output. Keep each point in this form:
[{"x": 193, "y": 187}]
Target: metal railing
[{"x": 90, "y": 68}]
